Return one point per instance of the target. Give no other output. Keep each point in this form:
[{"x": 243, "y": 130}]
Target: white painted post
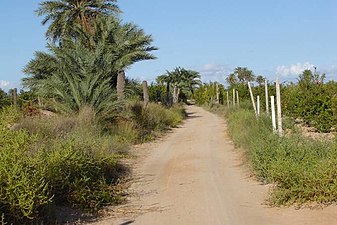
[
  {"x": 273, "y": 116},
  {"x": 233, "y": 98},
  {"x": 258, "y": 105},
  {"x": 252, "y": 97},
  {"x": 237, "y": 99},
  {"x": 267, "y": 97},
  {"x": 227, "y": 100},
  {"x": 279, "y": 111}
]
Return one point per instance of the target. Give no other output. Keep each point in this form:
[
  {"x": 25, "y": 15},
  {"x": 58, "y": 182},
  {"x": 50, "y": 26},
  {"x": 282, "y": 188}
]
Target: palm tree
[
  {"x": 75, "y": 77},
  {"x": 192, "y": 80},
  {"x": 66, "y": 15},
  {"x": 181, "y": 80},
  {"x": 244, "y": 74},
  {"x": 127, "y": 42},
  {"x": 260, "y": 80},
  {"x": 232, "y": 80},
  {"x": 73, "y": 65}
]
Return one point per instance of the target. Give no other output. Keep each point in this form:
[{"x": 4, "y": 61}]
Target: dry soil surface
[{"x": 194, "y": 176}]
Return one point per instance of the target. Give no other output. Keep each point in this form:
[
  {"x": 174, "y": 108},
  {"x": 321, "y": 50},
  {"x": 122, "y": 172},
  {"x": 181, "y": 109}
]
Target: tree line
[{"x": 311, "y": 99}]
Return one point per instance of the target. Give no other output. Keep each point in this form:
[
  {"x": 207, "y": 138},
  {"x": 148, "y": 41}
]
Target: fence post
[
  {"x": 273, "y": 116},
  {"x": 15, "y": 97},
  {"x": 258, "y": 105},
  {"x": 279, "y": 111},
  {"x": 227, "y": 100},
  {"x": 233, "y": 98},
  {"x": 267, "y": 97},
  {"x": 237, "y": 99},
  {"x": 252, "y": 97}
]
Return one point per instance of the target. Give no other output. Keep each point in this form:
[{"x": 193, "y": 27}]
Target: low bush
[
  {"x": 55, "y": 160},
  {"x": 153, "y": 118},
  {"x": 302, "y": 170},
  {"x": 79, "y": 176},
  {"x": 23, "y": 189},
  {"x": 69, "y": 160}
]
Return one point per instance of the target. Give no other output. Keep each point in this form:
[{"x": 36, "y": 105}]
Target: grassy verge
[
  {"x": 70, "y": 161},
  {"x": 302, "y": 170}
]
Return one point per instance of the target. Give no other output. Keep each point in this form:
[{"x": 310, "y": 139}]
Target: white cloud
[
  {"x": 4, "y": 84},
  {"x": 293, "y": 70},
  {"x": 214, "y": 72}
]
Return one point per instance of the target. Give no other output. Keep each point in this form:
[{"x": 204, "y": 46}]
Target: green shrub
[
  {"x": 152, "y": 119},
  {"x": 77, "y": 174},
  {"x": 303, "y": 170},
  {"x": 23, "y": 189},
  {"x": 69, "y": 160}
]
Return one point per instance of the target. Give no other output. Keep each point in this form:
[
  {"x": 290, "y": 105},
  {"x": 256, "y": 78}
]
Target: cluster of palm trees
[
  {"x": 88, "y": 46},
  {"x": 181, "y": 80},
  {"x": 242, "y": 75}
]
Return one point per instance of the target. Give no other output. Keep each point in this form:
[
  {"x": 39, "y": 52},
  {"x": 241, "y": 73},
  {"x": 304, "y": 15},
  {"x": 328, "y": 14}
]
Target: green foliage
[
  {"x": 181, "y": 81},
  {"x": 80, "y": 78},
  {"x": 303, "y": 170},
  {"x": 77, "y": 174},
  {"x": 312, "y": 100},
  {"x": 239, "y": 76},
  {"x": 5, "y": 99},
  {"x": 83, "y": 72},
  {"x": 154, "y": 118},
  {"x": 206, "y": 94},
  {"x": 157, "y": 93},
  {"x": 65, "y": 16},
  {"x": 23, "y": 189},
  {"x": 56, "y": 160},
  {"x": 9, "y": 115}
]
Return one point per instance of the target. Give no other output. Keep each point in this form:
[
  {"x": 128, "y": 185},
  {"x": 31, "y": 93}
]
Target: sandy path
[{"x": 194, "y": 177}]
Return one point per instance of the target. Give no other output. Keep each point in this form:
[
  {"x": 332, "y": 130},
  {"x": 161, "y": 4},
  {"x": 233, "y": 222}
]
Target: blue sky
[{"x": 213, "y": 37}]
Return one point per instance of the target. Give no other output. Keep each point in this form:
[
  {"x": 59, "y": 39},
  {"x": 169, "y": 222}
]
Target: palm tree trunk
[
  {"x": 120, "y": 85},
  {"x": 145, "y": 93},
  {"x": 175, "y": 96},
  {"x": 168, "y": 93},
  {"x": 15, "y": 96},
  {"x": 178, "y": 93}
]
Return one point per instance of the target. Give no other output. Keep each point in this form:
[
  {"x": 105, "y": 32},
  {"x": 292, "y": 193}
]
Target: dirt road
[{"x": 195, "y": 177}]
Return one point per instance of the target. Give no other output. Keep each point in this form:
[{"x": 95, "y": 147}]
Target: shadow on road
[
  {"x": 128, "y": 222},
  {"x": 191, "y": 115}
]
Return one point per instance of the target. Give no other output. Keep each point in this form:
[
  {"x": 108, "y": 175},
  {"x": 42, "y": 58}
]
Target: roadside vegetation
[
  {"x": 70, "y": 160},
  {"x": 63, "y": 142},
  {"x": 301, "y": 170}
]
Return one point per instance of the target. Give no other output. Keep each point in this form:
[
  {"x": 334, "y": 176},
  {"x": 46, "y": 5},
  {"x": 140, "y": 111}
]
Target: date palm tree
[
  {"x": 180, "y": 79},
  {"x": 127, "y": 42},
  {"x": 232, "y": 80},
  {"x": 260, "y": 80},
  {"x": 244, "y": 74},
  {"x": 66, "y": 15},
  {"x": 76, "y": 75}
]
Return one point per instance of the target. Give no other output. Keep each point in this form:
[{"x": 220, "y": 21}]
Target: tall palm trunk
[
  {"x": 121, "y": 85},
  {"x": 175, "y": 95},
  {"x": 168, "y": 93}
]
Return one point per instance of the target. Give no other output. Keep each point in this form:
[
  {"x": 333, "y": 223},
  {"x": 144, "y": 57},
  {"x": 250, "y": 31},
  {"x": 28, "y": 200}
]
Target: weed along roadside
[
  {"x": 64, "y": 136},
  {"x": 70, "y": 161},
  {"x": 301, "y": 169}
]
